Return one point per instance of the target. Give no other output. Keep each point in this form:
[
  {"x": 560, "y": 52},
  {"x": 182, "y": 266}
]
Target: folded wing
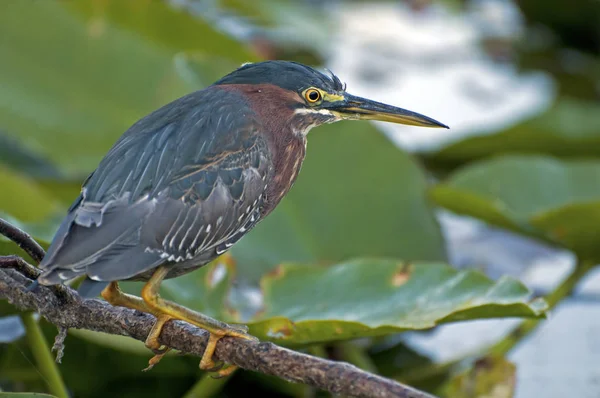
[{"x": 180, "y": 186}]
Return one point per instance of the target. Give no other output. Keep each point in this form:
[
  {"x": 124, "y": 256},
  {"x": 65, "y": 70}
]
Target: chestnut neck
[{"x": 275, "y": 110}]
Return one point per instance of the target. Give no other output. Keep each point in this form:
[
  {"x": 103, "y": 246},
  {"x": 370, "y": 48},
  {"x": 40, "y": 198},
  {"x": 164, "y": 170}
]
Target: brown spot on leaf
[
  {"x": 402, "y": 274},
  {"x": 284, "y": 330},
  {"x": 276, "y": 273},
  {"x": 559, "y": 233},
  {"x": 338, "y": 330},
  {"x": 484, "y": 363}
]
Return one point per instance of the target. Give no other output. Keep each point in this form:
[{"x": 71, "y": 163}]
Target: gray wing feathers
[
  {"x": 178, "y": 186},
  {"x": 97, "y": 235}
]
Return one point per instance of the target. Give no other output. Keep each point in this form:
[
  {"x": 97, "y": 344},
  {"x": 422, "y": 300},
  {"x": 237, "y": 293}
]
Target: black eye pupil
[{"x": 313, "y": 95}]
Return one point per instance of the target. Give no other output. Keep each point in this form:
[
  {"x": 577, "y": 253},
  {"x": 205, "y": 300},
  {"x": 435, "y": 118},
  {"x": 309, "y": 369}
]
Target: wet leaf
[
  {"x": 360, "y": 298},
  {"x": 357, "y": 195},
  {"x": 488, "y": 378},
  {"x": 557, "y": 201},
  {"x": 570, "y": 128}
]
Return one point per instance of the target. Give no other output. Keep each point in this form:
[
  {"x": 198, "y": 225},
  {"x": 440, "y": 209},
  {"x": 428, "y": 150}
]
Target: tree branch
[
  {"x": 22, "y": 239},
  {"x": 64, "y": 308}
]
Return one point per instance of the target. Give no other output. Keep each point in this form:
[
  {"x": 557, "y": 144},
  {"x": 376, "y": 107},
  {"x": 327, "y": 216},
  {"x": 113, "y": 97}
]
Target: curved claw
[
  {"x": 162, "y": 350},
  {"x": 152, "y": 342},
  {"x": 155, "y": 360},
  {"x": 224, "y": 372},
  {"x": 218, "y": 365}
]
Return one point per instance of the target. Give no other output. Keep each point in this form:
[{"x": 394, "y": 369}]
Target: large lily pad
[
  {"x": 303, "y": 304},
  {"x": 557, "y": 201},
  {"x": 377, "y": 297},
  {"x": 77, "y": 74},
  {"x": 18, "y": 157},
  {"x": 158, "y": 22},
  {"x": 23, "y": 199},
  {"x": 570, "y": 128},
  {"x": 307, "y": 304}
]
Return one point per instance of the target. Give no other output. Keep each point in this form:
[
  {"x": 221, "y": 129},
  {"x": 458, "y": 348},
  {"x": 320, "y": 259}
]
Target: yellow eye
[{"x": 312, "y": 95}]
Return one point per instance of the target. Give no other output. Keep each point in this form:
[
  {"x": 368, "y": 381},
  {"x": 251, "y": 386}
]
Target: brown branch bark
[
  {"x": 64, "y": 308},
  {"x": 22, "y": 239}
]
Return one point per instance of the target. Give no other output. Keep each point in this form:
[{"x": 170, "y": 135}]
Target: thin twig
[
  {"x": 22, "y": 239},
  {"x": 66, "y": 309}
]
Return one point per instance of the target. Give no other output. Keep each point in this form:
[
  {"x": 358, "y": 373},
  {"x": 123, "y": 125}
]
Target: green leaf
[
  {"x": 570, "y": 128},
  {"x": 376, "y": 297},
  {"x": 357, "y": 195},
  {"x": 557, "y": 201},
  {"x": 24, "y": 395},
  {"x": 199, "y": 69},
  {"x": 488, "y": 378},
  {"x": 403, "y": 363},
  {"x": 310, "y": 304},
  {"x": 24, "y": 199},
  {"x": 78, "y": 74},
  {"x": 113, "y": 341},
  {"x": 154, "y": 21},
  {"x": 18, "y": 157}
]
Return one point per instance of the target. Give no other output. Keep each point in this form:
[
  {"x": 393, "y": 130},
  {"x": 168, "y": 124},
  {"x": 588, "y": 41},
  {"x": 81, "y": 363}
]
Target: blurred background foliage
[{"x": 358, "y": 250}]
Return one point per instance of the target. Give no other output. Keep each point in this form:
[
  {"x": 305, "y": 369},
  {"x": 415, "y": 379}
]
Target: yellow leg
[
  {"x": 153, "y": 343},
  {"x": 217, "y": 329},
  {"x": 115, "y": 296}
]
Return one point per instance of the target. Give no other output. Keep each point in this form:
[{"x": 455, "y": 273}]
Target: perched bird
[{"x": 186, "y": 182}]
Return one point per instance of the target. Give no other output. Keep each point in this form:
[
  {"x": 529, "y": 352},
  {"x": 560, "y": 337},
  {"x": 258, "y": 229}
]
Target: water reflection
[{"x": 453, "y": 66}]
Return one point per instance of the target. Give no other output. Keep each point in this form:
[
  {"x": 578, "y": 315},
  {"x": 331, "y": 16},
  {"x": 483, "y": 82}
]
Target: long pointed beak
[{"x": 353, "y": 107}]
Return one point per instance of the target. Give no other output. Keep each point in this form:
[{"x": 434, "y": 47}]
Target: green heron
[{"x": 186, "y": 182}]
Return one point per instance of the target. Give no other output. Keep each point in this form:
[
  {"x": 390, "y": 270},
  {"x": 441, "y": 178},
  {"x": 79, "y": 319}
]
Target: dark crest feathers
[{"x": 285, "y": 74}]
